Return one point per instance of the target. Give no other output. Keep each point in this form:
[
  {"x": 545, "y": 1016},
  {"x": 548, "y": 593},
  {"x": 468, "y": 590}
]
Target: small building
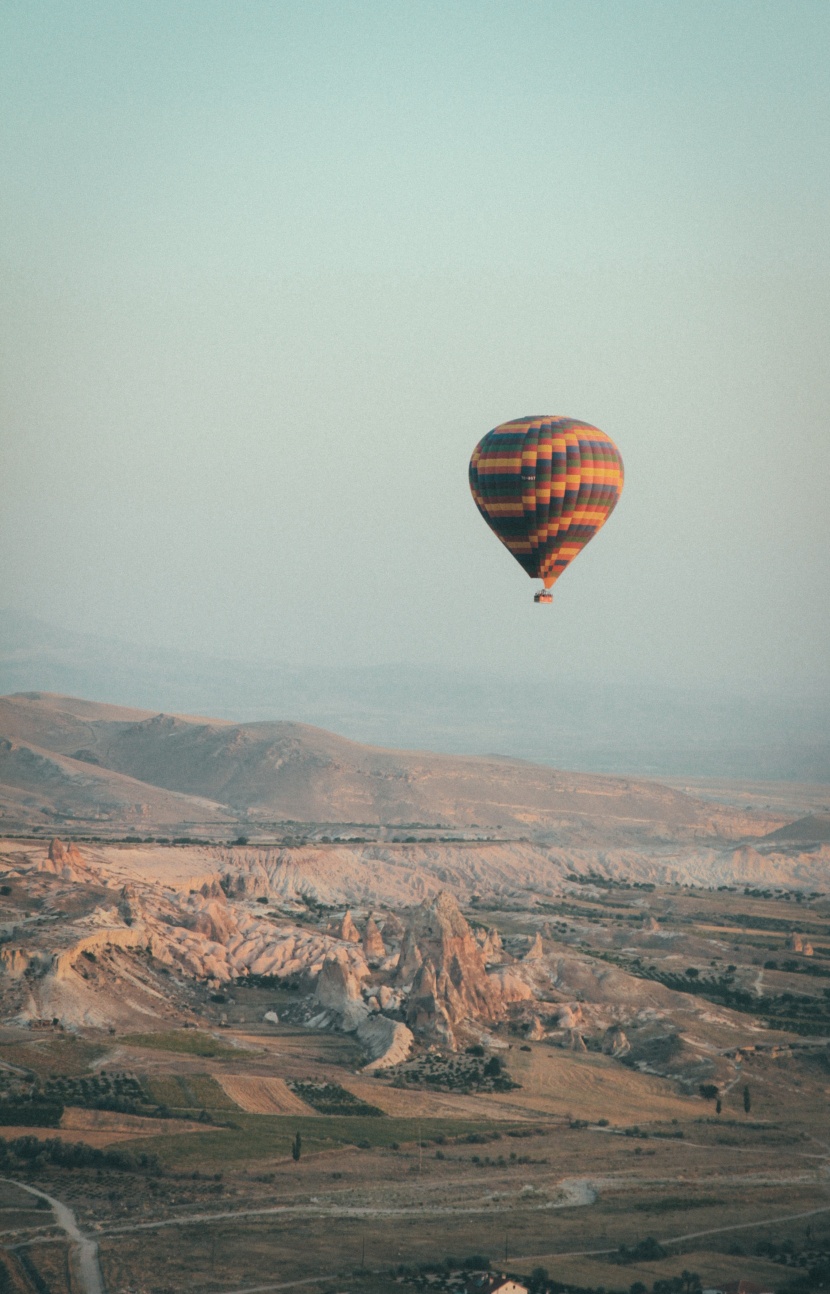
[{"x": 494, "y": 1283}]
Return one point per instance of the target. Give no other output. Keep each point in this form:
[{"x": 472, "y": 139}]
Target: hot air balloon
[{"x": 546, "y": 486}]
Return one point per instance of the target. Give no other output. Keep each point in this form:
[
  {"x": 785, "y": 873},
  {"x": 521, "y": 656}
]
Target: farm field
[
  {"x": 262, "y": 1095},
  {"x": 539, "y": 1197},
  {"x": 439, "y": 1178}
]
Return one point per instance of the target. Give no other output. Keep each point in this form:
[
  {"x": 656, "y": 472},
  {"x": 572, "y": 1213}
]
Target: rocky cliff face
[
  {"x": 374, "y": 948},
  {"x": 154, "y": 933},
  {"x": 451, "y": 985},
  {"x": 438, "y": 982},
  {"x": 409, "y": 959}
]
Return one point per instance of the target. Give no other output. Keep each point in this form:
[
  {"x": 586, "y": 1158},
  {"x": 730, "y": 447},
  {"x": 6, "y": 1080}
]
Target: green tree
[
  {"x": 296, "y": 1146},
  {"x": 747, "y": 1100}
]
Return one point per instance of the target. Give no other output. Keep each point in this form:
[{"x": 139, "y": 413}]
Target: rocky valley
[{"x": 217, "y": 937}]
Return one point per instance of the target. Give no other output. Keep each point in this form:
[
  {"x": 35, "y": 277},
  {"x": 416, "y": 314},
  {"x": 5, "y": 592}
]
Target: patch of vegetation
[
  {"x": 598, "y": 913},
  {"x": 452, "y": 1072},
  {"x": 800, "y": 1013},
  {"x": 120, "y": 1092},
  {"x": 64, "y": 1054},
  {"x": 750, "y": 920},
  {"x": 166, "y": 1090},
  {"x": 187, "y": 1093},
  {"x": 331, "y": 1098},
  {"x": 793, "y": 967},
  {"x": 29, "y": 1101},
  {"x": 606, "y": 883},
  {"x": 189, "y": 1042},
  {"x": 205, "y": 1093},
  {"x": 34, "y": 1153},
  {"x": 454, "y": 1274},
  {"x": 647, "y": 1251},
  {"x": 30, "y": 1114},
  {"x": 264, "y": 1136}
]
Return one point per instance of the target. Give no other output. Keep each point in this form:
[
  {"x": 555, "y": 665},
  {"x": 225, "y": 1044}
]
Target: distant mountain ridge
[
  {"x": 78, "y": 759},
  {"x": 544, "y": 715}
]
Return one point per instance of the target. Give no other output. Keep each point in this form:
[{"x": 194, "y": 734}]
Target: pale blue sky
[{"x": 271, "y": 270}]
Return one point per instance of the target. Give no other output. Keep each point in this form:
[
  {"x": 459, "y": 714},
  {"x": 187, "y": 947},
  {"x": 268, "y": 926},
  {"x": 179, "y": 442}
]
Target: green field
[
  {"x": 188, "y": 1042},
  {"x": 188, "y": 1092},
  {"x": 263, "y": 1136}
]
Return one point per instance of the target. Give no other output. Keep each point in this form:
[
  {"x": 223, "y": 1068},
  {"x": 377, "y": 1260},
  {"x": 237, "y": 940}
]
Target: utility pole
[{"x": 363, "y": 1253}]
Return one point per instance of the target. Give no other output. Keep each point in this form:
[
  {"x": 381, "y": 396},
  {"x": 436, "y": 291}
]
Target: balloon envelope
[{"x": 546, "y": 486}]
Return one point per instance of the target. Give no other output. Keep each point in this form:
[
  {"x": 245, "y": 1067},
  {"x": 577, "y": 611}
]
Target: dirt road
[{"x": 83, "y": 1251}]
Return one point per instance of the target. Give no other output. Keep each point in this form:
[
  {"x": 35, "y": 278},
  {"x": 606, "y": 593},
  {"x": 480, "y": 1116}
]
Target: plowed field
[{"x": 262, "y": 1095}]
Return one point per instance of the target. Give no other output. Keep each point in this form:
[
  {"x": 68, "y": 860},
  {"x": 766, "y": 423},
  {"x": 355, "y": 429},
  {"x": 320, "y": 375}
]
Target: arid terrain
[{"x": 276, "y": 1007}]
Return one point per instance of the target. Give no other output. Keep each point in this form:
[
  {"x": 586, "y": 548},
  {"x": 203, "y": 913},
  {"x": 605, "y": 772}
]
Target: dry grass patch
[
  {"x": 416, "y": 1103},
  {"x": 123, "y": 1125},
  {"x": 66, "y": 1055},
  {"x": 96, "y": 1137},
  {"x": 590, "y": 1087},
  {"x": 262, "y": 1095}
]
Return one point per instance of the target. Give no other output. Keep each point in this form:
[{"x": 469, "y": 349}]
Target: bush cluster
[{"x": 75, "y": 1154}]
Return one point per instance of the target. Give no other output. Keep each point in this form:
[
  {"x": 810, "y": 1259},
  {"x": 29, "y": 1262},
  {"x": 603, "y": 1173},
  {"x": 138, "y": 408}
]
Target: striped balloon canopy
[{"x": 546, "y": 486}]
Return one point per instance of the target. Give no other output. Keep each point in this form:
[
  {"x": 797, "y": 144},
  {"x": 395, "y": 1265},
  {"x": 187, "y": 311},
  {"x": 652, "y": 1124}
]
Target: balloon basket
[{"x": 543, "y": 596}]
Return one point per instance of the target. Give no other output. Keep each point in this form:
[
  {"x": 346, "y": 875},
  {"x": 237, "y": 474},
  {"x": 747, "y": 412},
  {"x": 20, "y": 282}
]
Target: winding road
[
  {"x": 83, "y": 1251},
  {"x": 574, "y": 1192}
]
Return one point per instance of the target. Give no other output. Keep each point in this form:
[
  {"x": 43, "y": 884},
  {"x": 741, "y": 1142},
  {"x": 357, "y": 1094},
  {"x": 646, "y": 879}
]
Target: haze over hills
[
  {"x": 329, "y": 825},
  {"x": 550, "y": 714},
  {"x": 107, "y": 772},
  {"x": 288, "y": 814},
  {"x": 90, "y": 761}
]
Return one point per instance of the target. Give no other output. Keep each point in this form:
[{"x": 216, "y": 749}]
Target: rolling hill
[{"x": 76, "y": 758}]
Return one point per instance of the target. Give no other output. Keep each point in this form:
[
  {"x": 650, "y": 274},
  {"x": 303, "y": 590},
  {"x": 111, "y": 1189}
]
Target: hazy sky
[{"x": 270, "y": 270}]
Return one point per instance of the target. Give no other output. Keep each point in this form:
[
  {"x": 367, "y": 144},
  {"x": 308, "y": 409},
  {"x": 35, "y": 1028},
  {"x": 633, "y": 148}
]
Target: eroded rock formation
[
  {"x": 374, "y": 948},
  {"x": 348, "y": 930},
  {"x": 451, "y": 985},
  {"x": 536, "y": 950}
]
